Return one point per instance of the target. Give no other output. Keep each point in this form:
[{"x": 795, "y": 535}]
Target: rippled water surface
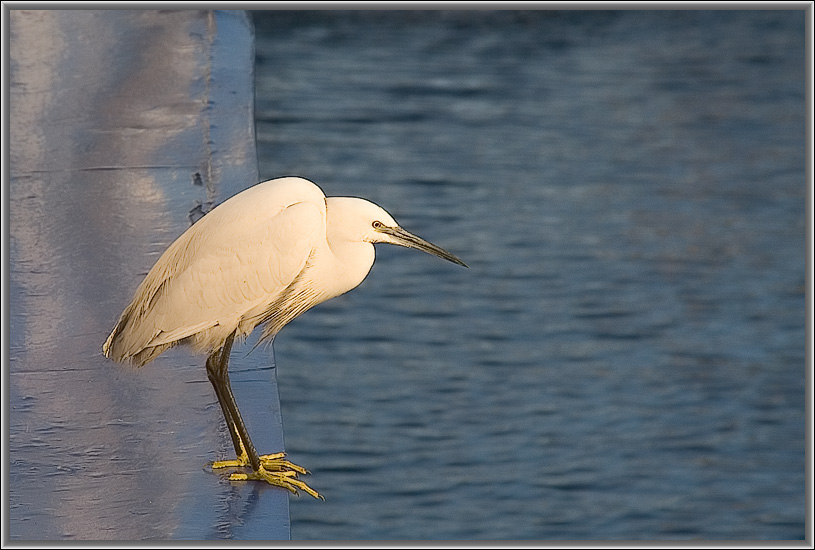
[{"x": 625, "y": 358}]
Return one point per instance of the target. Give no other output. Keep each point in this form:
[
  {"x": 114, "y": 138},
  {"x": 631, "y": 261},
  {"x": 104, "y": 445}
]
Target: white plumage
[{"x": 265, "y": 255}]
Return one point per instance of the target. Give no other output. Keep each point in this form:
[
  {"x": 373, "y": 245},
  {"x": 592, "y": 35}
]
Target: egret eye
[{"x": 377, "y": 225}]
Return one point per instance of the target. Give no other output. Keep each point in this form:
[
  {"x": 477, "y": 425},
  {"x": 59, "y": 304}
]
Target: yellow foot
[
  {"x": 286, "y": 479},
  {"x": 273, "y": 462},
  {"x": 274, "y": 469}
]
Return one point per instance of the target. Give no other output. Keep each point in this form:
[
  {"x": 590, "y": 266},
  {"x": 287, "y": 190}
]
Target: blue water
[{"x": 625, "y": 357}]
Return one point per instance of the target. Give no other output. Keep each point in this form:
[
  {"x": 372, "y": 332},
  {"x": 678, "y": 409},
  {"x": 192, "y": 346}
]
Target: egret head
[{"x": 356, "y": 219}]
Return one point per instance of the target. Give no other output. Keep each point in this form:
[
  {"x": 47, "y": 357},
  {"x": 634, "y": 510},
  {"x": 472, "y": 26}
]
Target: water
[{"x": 624, "y": 359}]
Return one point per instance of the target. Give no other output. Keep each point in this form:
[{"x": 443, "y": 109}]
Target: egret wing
[
  {"x": 231, "y": 280},
  {"x": 235, "y": 260}
]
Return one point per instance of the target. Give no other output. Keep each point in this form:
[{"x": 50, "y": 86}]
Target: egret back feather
[{"x": 224, "y": 272}]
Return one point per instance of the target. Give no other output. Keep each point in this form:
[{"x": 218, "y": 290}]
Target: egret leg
[
  {"x": 273, "y": 468},
  {"x": 217, "y": 370},
  {"x": 214, "y": 365}
]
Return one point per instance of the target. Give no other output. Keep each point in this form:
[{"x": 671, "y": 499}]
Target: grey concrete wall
[{"x": 124, "y": 125}]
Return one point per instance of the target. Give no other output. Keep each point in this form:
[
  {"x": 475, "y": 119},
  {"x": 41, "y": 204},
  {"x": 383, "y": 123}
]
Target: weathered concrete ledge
[{"x": 124, "y": 124}]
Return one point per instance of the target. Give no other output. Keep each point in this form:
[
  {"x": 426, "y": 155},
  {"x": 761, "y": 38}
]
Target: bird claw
[
  {"x": 274, "y": 469},
  {"x": 273, "y": 462},
  {"x": 286, "y": 479}
]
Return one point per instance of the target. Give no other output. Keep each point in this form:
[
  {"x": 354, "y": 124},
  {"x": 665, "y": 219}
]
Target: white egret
[{"x": 266, "y": 255}]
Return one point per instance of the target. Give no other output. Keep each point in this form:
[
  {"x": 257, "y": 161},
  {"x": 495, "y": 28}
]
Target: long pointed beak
[{"x": 409, "y": 240}]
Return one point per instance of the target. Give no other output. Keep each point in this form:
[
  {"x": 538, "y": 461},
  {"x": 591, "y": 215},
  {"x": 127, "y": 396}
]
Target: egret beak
[{"x": 409, "y": 240}]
